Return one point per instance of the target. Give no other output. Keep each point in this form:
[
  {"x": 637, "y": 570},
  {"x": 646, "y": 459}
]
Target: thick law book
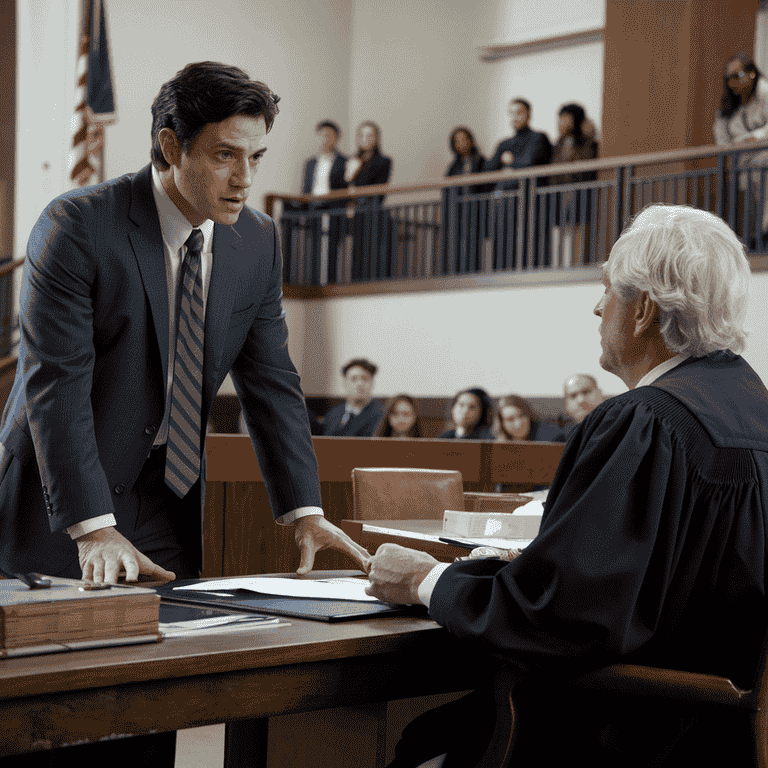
[{"x": 65, "y": 617}]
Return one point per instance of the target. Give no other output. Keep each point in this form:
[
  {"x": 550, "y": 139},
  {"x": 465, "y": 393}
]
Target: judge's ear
[
  {"x": 646, "y": 314},
  {"x": 170, "y": 146}
]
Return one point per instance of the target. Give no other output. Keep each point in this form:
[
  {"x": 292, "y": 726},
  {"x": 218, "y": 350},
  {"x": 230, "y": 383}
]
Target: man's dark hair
[
  {"x": 202, "y": 93},
  {"x": 329, "y": 124},
  {"x": 360, "y": 362},
  {"x": 526, "y": 104}
]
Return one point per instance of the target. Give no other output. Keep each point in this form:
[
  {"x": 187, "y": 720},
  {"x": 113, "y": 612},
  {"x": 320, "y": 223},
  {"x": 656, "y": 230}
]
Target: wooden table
[{"x": 239, "y": 678}]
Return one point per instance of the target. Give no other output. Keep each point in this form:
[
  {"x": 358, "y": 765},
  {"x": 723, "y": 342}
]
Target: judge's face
[
  {"x": 358, "y": 384},
  {"x": 616, "y": 331},
  {"x": 466, "y": 410},
  {"x": 516, "y": 425},
  {"x": 402, "y": 417},
  {"x": 212, "y": 177},
  {"x": 581, "y": 397}
]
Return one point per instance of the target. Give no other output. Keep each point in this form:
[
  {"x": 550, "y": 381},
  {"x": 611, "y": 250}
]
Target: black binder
[{"x": 320, "y": 609}]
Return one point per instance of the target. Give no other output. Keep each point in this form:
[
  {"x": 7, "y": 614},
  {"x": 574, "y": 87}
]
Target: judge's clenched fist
[{"x": 396, "y": 573}]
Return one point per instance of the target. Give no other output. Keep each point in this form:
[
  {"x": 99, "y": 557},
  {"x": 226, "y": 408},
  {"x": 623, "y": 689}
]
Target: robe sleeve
[{"x": 591, "y": 585}]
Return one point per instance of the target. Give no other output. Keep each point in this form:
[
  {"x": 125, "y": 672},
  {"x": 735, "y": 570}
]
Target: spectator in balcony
[
  {"x": 400, "y": 419},
  {"x": 524, "y": 149},
  {"x": 572, "y": 208},
  {"x": 370, "y": 225},
  {"x": 517, "y": 420},
  {"x": 359, "y": 414},
  {"x": 324, "y": 173},
  {"x": 464, "y": 222},
  {"x": 471, "y": 416},
  {"x": 742, "y": 121}
]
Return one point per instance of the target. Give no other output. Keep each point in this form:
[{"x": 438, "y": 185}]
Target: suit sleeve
[
  {"x": 591, "y": 585},
  {"x": 269, "y": 389},
  {"x": 57, "y": 353}
]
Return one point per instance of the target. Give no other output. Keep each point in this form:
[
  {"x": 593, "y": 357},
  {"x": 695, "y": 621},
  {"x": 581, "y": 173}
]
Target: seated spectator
[
  {"x": 652, "y": 547},
  {"x": 743, "y": 120},
  {"x": 463, "y": 221},
  {"x": 471, "y": 416},
  {"x": 572, "y": 208},
  {"x": 400, "y": 419},
  {"x": 582, "y": 396},
  {"x": 360, "y": 414},
  {"x": 516, "y": 420},
  {"x": 370, "y": 247}
]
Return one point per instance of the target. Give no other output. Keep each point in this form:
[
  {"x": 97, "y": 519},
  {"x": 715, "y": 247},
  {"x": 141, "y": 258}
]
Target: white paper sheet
[{"x": 335, "y": 589}]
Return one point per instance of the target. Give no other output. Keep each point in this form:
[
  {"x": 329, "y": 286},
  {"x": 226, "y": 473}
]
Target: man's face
[
  {"x": 358, "y": 384},
  {"x": 581, "y": 397},
  {"x": 366, "y": 137},
  {"x": 212, "y": 178},
  {"x": 616, "y": 331},
  {"x": 328, "y": 139},
  {"x": 518, "y": 115}
]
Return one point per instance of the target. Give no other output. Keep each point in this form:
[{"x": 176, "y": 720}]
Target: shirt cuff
[
  {"x": 427, "y": 586},
  {"x": 294, "y": 515},
  {"x": 92, "y": 524}
]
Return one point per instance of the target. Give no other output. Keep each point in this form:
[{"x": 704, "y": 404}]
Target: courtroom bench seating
[{"x": 434, "y": 412}]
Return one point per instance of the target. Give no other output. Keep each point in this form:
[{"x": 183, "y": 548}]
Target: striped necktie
[{"x": 182, "y": 464}]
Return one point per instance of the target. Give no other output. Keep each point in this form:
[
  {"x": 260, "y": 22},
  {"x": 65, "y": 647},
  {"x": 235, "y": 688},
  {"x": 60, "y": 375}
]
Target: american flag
[{"x": 94, "y": 97}]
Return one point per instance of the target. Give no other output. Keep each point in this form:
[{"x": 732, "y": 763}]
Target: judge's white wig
[{"x": 693, "y": 266}]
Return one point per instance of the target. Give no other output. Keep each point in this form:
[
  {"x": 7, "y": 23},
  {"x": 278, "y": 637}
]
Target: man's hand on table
[
  {"x": 314, "y": 533},
  {"x": 105, "y": 553},
  {"x": 396, "y": 573}
]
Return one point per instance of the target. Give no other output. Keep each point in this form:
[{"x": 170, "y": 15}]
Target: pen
[{"x": 459, "y": 543}]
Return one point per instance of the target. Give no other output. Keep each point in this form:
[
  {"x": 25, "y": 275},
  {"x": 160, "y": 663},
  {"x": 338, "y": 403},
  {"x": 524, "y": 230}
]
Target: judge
[{"x": 652, "y": 547}]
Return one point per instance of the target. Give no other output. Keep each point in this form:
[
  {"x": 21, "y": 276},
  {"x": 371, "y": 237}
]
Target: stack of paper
[{"x": 64, "y": 616}]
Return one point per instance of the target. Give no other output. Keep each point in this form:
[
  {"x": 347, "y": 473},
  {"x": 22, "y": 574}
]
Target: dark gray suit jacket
[{"x": 89, "y": 392}]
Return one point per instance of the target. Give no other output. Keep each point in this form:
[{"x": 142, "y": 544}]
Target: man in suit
[
  {"x": 359, "y": 414},
  {"x": 138, "y": 296},
  {"x": 582, "y": 395},
  {"x": 525, "y": 148},
  {"x": 323, "y": 173}
]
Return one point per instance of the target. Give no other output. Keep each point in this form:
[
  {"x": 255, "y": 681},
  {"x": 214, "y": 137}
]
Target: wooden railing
[{"x": 531, "y": 225}]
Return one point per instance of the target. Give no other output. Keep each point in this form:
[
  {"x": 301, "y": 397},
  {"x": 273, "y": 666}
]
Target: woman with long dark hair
[
  {"x": 571, "y": 236},
  {"x": 463, "y": 220},
  {"x": 370, "y": 225},
  {"x": 742, "y": 121},
  {"x": 400, "y": 419},
  {"x": 471, "y": 416}
]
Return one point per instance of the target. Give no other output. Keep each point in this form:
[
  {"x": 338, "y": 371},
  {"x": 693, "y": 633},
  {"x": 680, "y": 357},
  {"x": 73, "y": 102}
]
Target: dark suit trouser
[{"x": 173, "y": 543}]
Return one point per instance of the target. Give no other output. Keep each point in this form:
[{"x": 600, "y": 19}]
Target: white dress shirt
[
  {"x": 427, "y": 586},
  {"x": 175, "y": 229},
  {"x": 321, "y": 182}
]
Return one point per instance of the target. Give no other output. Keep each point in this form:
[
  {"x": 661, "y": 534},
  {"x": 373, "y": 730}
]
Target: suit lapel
[
  {"x": 147, "y": 244},
  {"x": 221, "y": 292}
]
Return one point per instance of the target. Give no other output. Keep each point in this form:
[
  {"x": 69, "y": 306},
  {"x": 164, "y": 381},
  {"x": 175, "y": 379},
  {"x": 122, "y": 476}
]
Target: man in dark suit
[
  {"x": 138, "y": 296},
  {"x": 359, "y": 414},
  {"x": 323, "y": 173},
  {"x": 525, "y": 148}
]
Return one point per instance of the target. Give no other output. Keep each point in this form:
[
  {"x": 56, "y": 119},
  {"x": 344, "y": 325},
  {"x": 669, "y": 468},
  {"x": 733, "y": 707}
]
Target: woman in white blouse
[{"x": 742, "y": 121}]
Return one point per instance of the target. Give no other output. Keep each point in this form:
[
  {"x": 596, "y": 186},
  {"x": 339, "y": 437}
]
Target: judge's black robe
[{"x": 652, "y": 547}]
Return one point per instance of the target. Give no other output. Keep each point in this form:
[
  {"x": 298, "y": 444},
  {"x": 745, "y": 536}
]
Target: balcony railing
[{"x": 546, "y": 221}]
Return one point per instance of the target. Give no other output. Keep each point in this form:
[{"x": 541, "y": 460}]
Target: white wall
[
  {"x": 300, "y": 49},
  {"x": 415, "y": 70}
]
